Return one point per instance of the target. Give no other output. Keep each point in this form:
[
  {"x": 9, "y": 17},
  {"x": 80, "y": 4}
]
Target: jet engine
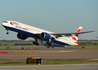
[
  {"x": 45, "y": 36},
  {"x": 21, "y": 36}
]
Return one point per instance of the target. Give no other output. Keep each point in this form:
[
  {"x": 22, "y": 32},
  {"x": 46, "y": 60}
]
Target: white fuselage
[{"x": 29, "y": 30}]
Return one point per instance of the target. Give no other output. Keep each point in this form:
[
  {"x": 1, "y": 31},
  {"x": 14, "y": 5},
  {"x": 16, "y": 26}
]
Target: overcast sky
[{"x": 59, "y": 16}]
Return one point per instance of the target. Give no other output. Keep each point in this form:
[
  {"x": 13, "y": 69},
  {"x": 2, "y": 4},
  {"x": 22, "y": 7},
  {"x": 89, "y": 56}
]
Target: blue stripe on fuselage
[
  {"x": 59, "y": 42},
  {"x": 33, "y": 35},
  {"x": 24, "y": 32}
]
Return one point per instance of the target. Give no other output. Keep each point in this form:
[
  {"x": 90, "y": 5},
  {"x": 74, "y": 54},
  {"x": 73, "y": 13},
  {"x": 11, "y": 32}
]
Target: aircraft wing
[
  {"x": 86, "y": 41},
  {"x": 69, "y": 34}
]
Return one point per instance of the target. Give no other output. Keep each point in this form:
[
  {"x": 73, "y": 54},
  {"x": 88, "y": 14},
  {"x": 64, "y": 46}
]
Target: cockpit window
[{"x": 5, "y": 21}]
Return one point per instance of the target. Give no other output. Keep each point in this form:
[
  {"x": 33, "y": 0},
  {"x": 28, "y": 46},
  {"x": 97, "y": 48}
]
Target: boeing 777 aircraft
[{"x": 51, "y": 39}]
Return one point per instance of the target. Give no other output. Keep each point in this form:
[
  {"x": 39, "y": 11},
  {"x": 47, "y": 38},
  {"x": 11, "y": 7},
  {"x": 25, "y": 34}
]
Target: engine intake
[
  {"x": 45, "y": 36},
  {"x": 21, "y": 36}
]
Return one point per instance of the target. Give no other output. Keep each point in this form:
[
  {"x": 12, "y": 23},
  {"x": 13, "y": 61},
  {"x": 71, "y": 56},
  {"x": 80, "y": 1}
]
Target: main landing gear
[
  {"x": 36, "y": 42},
  {"x": 52, "y": 47},
  {"x": 49, "y": 44}
]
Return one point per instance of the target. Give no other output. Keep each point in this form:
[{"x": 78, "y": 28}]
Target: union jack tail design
[{"x": 75, "y": 37}]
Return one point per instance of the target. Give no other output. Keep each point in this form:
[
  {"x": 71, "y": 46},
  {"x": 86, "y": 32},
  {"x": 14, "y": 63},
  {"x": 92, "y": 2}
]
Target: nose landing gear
[{"x": 7, "y": 31}]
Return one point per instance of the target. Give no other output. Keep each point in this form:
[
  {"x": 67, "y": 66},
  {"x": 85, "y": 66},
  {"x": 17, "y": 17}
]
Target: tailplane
[{"x": 75, "y": 37}]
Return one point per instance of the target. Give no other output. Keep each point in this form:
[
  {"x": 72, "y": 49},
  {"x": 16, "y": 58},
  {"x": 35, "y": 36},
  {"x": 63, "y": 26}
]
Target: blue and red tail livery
[
  {"x": 75, "y": 37},
  {"x": 79, "y": 29}
]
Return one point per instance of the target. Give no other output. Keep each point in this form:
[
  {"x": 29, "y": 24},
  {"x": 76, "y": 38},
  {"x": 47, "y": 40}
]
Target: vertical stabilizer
[
  {"x": 75, "y": 37},
  {"x": 79, "y": 29}
]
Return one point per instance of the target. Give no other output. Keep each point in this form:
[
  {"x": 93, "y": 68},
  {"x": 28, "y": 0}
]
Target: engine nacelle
[
  {"x": 45, "y": 36},
  {"x": 21, "y": 36}
]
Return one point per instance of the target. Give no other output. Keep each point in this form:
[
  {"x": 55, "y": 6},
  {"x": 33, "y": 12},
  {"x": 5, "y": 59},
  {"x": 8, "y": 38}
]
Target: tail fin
[{"x": 75, "y": 37}]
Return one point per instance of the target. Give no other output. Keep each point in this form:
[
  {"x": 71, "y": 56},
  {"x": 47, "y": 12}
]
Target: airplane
[{"x": 51, "y": 39}]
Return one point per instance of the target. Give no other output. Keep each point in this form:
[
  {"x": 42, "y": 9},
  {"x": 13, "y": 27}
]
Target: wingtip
[{"x": 93, "y": 31}]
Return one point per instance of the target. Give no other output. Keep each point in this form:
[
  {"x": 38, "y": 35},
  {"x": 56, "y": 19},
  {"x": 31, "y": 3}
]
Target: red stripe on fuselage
[{"x": 14, "y": 23}]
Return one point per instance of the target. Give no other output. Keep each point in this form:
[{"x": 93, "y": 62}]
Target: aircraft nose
[{"x": 4, "y": 23}]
